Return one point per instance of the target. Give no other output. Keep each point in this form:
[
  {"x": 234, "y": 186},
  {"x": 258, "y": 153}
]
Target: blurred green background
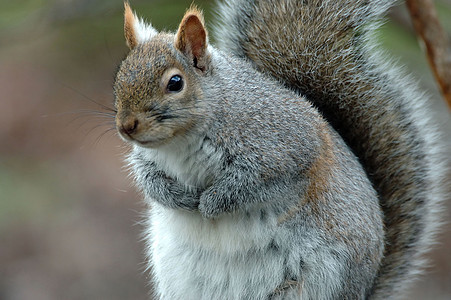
[{"x": 69, "y": 215}]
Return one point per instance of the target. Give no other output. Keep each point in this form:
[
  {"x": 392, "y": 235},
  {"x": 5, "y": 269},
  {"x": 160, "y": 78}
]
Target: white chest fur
[
  {"x": 195, "y": 258},
  {"x": 233, "y": 256},
  {"x": 197, "y": 164},
  {"x": 193, "y": 163}
]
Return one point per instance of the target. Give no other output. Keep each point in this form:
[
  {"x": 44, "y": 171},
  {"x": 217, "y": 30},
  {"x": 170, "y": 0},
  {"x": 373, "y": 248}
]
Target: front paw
[
  {"x": 170, "y": 193},
  {"x": 211, "y": 205}
]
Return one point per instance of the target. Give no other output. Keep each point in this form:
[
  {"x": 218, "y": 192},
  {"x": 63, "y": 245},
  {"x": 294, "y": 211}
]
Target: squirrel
[{"x": 289, "y": 162}]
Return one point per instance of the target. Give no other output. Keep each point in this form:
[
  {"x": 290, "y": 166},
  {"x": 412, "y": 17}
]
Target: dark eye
[{"x": 175, "y": 84}]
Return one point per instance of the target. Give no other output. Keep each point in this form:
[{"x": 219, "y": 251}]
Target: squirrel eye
[{"x": 175, "y": 84}]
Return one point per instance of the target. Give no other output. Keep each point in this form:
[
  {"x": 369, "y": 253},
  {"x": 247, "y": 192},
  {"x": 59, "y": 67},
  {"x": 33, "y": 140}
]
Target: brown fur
[
  {"x": 191, "y": 37},
  {"x": 129, "y": 31},
  {"x": 141, "y": 94},
  {"x": 319, "y": 174}
]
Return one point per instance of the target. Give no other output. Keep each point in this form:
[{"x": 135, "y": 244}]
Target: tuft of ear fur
[
  {"x": 136, "y": 31},
  {"x": 191, "y": 38}
]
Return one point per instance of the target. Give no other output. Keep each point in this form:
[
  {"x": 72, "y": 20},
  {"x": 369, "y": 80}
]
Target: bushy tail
[{"x": 324, "y": 50}]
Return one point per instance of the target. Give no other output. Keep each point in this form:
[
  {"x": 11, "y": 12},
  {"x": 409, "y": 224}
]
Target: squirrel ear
[
  {"x": 136, "y": 30},
  {"x": 191, "y": 38}
]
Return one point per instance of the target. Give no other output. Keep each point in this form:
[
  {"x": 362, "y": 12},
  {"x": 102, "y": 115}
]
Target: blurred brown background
[{"x": 69, "y": 215}]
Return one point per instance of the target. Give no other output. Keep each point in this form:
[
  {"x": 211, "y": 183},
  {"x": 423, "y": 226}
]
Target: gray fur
[
  {"x": 252, "y": 194},
  {"x": 285, "y": 210},
  {"x": 325, "y": 50}
]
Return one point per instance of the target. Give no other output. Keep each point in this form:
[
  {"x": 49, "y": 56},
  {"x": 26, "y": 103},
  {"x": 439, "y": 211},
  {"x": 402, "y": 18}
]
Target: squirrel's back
[{"x": 324, "y": 50}]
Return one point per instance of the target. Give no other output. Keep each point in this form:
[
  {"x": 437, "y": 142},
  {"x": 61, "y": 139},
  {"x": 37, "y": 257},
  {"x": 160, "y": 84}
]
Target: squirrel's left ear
[
  {"x": 191, "y": 38},
  {"x": 135, "y": 29}
]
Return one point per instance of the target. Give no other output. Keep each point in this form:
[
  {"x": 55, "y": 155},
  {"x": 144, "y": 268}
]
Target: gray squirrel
[{"x": 291, "y": 162}]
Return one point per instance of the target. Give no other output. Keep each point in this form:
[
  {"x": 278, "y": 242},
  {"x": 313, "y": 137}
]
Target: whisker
[
  {"x": 98, "y": 126},
  {"x": 78, "y": 111},
  {"x": 91, "y": 117},
  {"x": 109, "y": 130},
  {"x": 169, "y": 114},
  {"x": 97, "y": 112},
  {"x": 88, "y": 98}
]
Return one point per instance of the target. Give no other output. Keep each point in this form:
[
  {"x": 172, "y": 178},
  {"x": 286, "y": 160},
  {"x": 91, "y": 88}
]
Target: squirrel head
[{"x": 157, "y": 87}]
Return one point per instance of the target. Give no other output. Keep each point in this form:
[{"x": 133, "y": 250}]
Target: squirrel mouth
[
  {"x": 143, "y": 143},
  {"x": 147, "y": 143},
  {"x": 153, "y": 143}
]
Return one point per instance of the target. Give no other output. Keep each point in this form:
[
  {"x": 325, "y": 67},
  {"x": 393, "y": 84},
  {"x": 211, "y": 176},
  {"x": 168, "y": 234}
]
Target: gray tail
[{"x": 324, "y": 50}]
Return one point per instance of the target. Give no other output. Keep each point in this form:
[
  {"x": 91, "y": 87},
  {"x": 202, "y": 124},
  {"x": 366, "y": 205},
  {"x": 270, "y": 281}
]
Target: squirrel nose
[{"x": 129, "y": 126}]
